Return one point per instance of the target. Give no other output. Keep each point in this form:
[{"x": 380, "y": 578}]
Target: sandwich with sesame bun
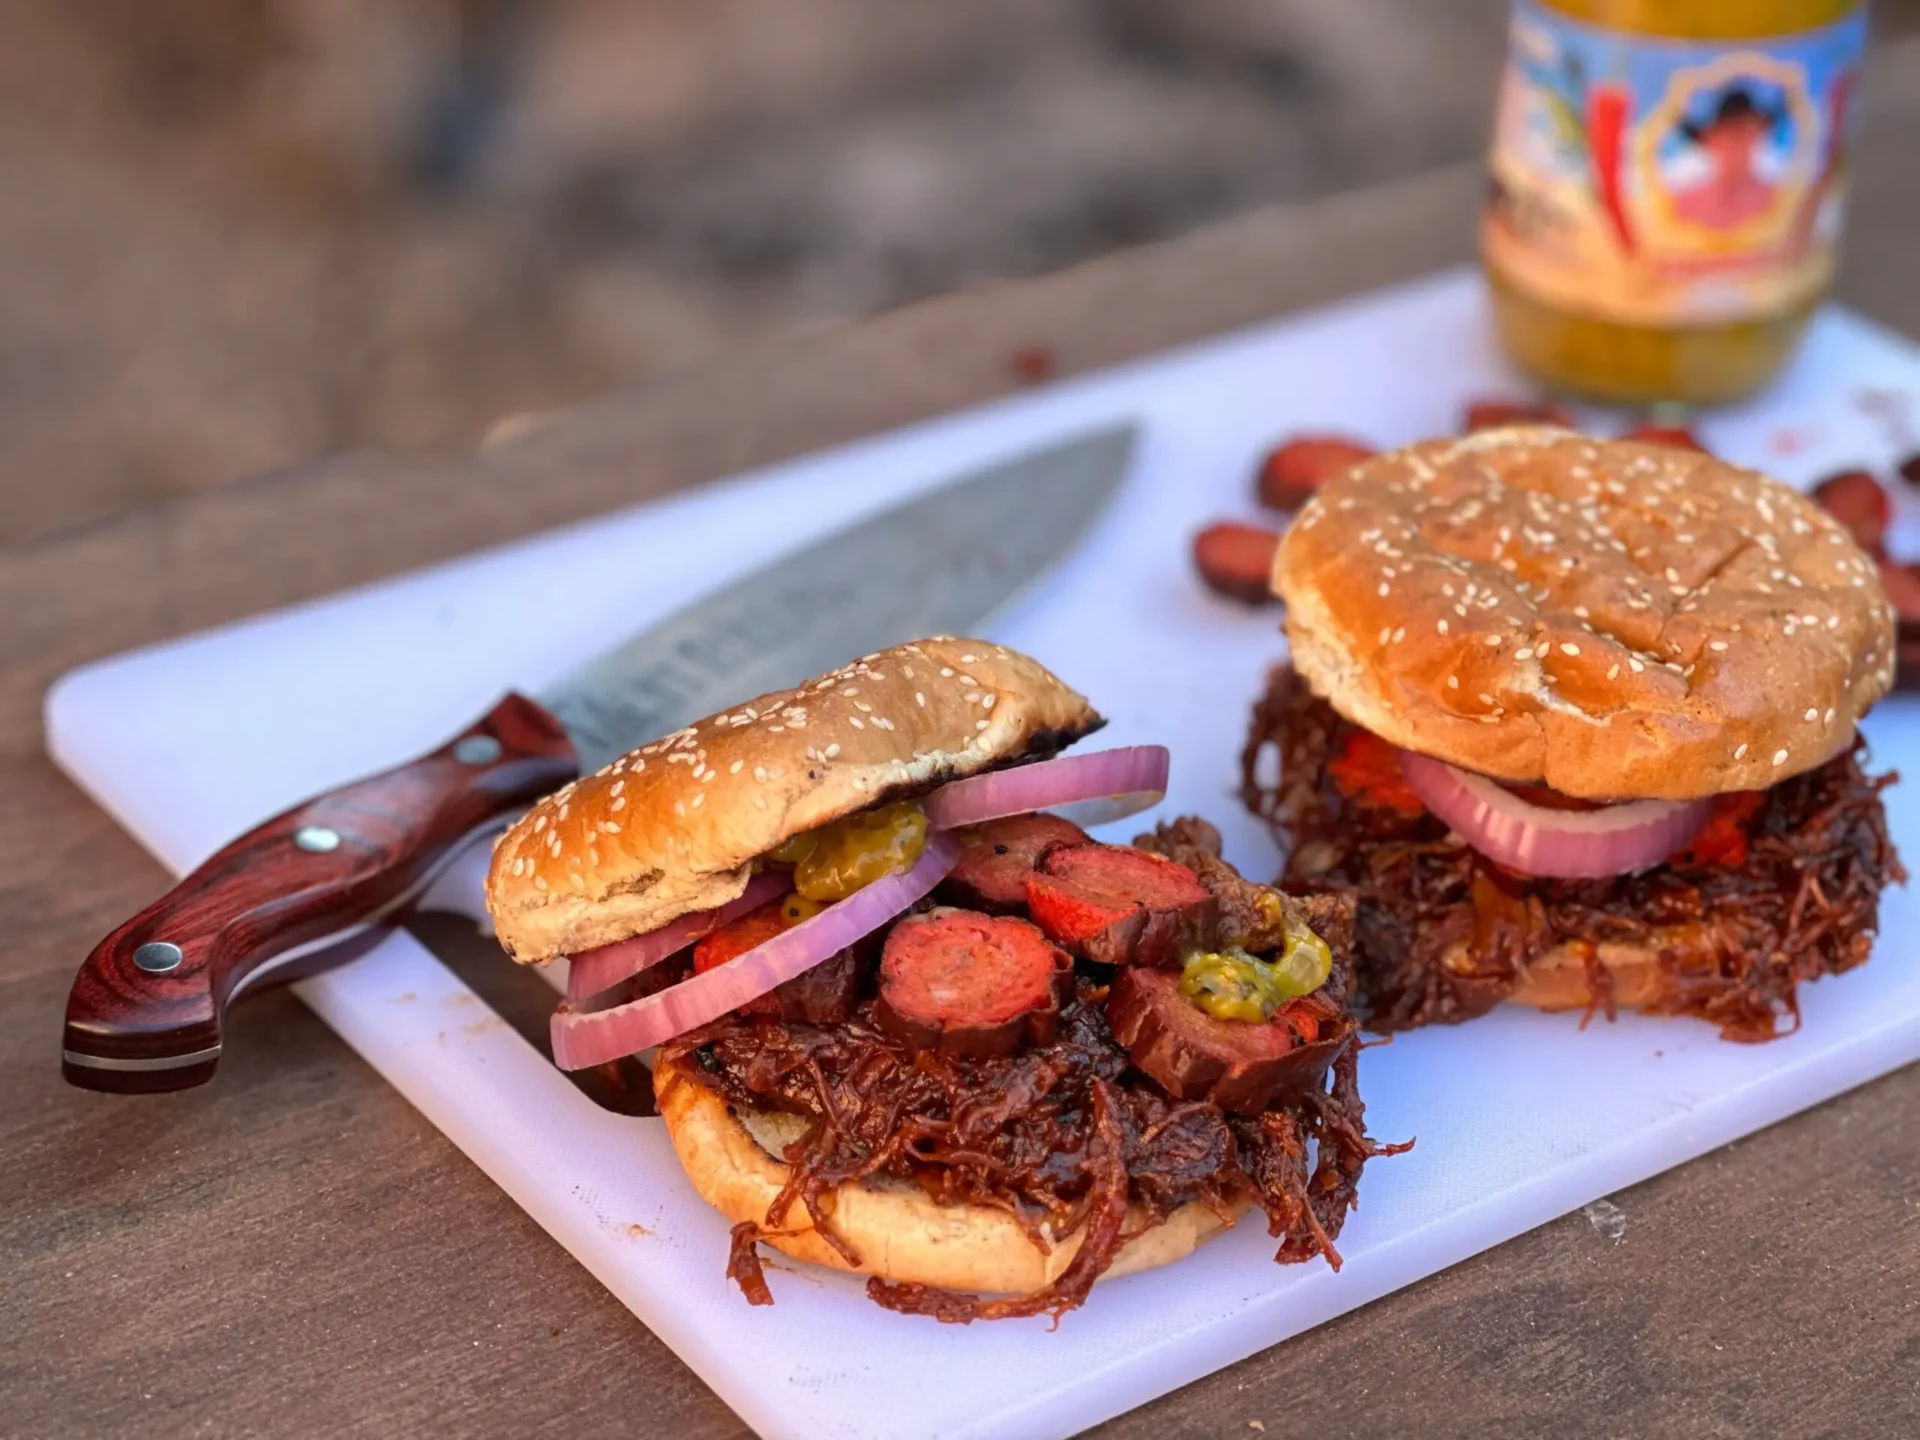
[
  {"x": 912, "y": 1021},
  {"x": 1574, "y": 723}
]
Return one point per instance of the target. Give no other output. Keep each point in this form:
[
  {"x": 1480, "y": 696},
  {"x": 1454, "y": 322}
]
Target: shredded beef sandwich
[
  {"x": 913, "y": 1021},
  {"x": 1574, "y": 722}
]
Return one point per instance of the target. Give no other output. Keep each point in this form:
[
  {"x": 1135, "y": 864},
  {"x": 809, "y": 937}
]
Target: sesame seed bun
[
  {"x": 1614, "y": 620},
  {"x": 899, "y": 1231},
  {"x": 675, "y": 826}
]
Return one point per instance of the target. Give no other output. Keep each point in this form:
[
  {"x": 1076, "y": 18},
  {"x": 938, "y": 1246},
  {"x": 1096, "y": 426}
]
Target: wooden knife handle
[{"x": 306, "y": 891}]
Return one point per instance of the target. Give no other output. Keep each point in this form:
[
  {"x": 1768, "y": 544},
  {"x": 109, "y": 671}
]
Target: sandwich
[
  {"x": 912, "y": 1020},
  {"x": 1575, "y": 722}
]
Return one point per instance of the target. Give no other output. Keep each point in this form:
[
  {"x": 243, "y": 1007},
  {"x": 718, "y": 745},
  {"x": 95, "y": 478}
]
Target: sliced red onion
[
  {"x": 1563, "y": 844},
  {"x": 592, "y": 971},
  {"x": 1090, "y": 789},
  {"x": 583, "y": 1038}
]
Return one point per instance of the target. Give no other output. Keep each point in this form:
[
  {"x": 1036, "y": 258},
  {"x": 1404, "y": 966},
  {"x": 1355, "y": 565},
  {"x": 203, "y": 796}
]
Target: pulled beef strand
[
  {"x": 1062, "y": 1137},
  {"x": 1442, "y": 935},
  {"x": 1105, "y": 1164}
]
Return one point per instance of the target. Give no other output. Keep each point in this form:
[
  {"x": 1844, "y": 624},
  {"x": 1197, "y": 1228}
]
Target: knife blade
[{"x": 320, "y": 883}]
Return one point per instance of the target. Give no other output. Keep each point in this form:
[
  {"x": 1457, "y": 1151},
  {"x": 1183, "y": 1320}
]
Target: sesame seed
[
  {"x": 1453, "y": 682},
  {"x": 1569, "y": 649},
  {"x": 1385, "y": 589},
  {"x": 619, "y": 802},
  {"x": 1813, "y": 712},
  {"x": 1635, "y": 665},
  {"x": 1779, "y": 757},
  {"x": 1828, "y": 718},
  {"x": 1719, "y": 645},
  {"x": 1386, "y": 634},
  {"x": 736, "y": 767},
  {"x": 1739, "y": 752},
  {"x": 699, "y": 799},
  {"x": 979, "y": 724},
  {"x": 831, "y": 750},
  {"x": 1493, "y": 642},
  {"x": 854, "y": 720},
  {"x": 919, "y": 699},
  {"x": 539, "y": 823},
  {"x": 1443, "y": 627}
]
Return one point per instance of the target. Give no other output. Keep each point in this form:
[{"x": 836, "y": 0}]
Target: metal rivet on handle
[
  {"x": 316, "y": 838},
  {"x": 156, "y": 957},
  {"x": 477, "y": 750}
]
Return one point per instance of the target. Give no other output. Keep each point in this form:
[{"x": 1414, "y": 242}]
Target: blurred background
[{"x": 238, "y": 233}]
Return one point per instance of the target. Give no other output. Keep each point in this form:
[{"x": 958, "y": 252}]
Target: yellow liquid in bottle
[{"x": 1638, "y": 362}]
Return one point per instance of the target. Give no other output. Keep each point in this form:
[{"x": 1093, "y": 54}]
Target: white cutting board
[{"x": 1520, "y": 1117}]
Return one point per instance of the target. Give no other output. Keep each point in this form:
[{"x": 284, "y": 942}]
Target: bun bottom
[
  {"x": 900, "y": 1233},
  {"x": 1636, "y": 980}
]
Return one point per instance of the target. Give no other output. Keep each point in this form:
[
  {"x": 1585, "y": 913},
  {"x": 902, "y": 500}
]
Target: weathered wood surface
[{"x": 293, "y": 1250}]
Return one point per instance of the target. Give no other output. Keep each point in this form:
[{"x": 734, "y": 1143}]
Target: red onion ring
[
  {"x": 1562, "y": 844},
  {"x": 592, "y": 971},
  {"x": 583, "y": 1038},
  {"x": 1091, "y": 789}
]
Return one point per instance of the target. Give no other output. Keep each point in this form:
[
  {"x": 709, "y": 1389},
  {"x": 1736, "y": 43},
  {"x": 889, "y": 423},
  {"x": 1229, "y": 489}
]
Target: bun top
[
  {"x": 1611, "y": 619},
  {"x": 675, "y": 826}
]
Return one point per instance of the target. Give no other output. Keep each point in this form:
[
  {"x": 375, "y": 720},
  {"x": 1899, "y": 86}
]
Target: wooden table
[{"x": 294, "y": 1250}]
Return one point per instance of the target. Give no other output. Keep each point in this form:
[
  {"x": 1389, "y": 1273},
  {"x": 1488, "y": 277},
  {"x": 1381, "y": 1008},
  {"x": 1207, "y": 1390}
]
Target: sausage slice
[
  {"x": 1236, "y": 561},
  {"x": 824, "y": 995},
  {"x": 1291, "y": 472},
  {"x": 1230, "y": 1063},
  {"x": 964, "y": 983},
  {"x": 997, "y": 857},
  {"x": 1859, "y": 502},
  {"x": 1121, "y": 906},
  {"x": 1487, "y": 414},
  {"x": 1677, "y": 436}
]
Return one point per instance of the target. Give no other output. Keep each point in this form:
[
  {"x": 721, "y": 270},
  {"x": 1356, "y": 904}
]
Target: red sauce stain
[{"x": 1032, "y": 364}]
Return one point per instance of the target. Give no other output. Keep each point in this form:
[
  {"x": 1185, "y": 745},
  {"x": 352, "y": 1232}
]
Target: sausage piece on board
[
  {"x": 1859, "y": 502},
  {"x": 1236, "y": 561},
  {"x": 1293, "y": 471}
]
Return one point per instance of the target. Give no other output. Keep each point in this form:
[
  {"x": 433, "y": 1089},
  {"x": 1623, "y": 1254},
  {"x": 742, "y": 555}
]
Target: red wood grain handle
[{"x": 308, "y": 890}]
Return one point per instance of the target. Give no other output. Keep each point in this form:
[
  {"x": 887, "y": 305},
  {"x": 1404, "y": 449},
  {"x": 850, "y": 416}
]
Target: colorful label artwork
[{"x": 1662, "y": 182}]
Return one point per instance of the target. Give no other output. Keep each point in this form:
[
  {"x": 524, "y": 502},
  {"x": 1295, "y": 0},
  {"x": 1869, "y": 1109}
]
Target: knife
[{"x": 321, "y": 883}]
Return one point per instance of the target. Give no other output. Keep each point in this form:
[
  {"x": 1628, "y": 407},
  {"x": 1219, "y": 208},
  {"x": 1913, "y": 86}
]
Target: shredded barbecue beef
[
  {"x": 1063, "y": 1137},
  {"x": 1778, "y": 888}
]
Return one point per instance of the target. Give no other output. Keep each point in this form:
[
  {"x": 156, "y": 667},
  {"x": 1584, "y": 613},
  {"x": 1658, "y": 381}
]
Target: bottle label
[{"x": 1662, "y": 182}]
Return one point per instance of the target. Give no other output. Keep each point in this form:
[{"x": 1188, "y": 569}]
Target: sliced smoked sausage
[
  {"x": 964, "y": 983},
  {"x": 1859, "y": 502},
  {"x": 1236, "y": 561},
  {"x": 1292, "y": 471},
  {"x": 1121, "y": 906},
  {"x": 1490, "y": 414},
  {"x": 1234, "y": 1064},
  {"x": 997, "y": 857}
]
